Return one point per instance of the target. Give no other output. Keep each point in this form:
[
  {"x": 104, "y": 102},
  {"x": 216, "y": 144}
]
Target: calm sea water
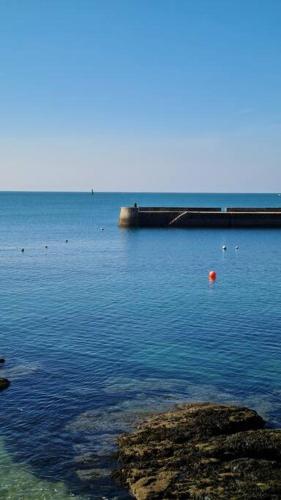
[{"x": 117, "y": 323}]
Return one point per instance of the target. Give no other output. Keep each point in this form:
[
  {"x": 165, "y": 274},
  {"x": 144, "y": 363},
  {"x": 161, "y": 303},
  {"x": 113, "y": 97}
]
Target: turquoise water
[{"x": 117, "y": 323}]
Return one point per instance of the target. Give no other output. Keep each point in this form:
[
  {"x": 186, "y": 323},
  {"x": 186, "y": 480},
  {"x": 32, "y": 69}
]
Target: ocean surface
[{"x": 115, "y": 323}]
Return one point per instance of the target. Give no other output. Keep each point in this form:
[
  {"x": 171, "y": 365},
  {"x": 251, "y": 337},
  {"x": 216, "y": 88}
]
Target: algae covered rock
[
  {"x": 203, "y": 451},
  {"x": 4, "y": 383}
]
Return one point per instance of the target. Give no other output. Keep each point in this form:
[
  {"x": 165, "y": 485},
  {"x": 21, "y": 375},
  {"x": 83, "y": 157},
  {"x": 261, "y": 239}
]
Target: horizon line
[{"x": 46, "y": 191}]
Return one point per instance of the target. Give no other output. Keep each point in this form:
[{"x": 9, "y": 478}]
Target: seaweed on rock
[{"x": 203, "y": 451}]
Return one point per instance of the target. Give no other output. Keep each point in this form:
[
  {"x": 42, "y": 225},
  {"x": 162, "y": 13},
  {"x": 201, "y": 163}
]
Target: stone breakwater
[
  {"x": 203, "y": 451},
  {"x": 197, "y": 217}
]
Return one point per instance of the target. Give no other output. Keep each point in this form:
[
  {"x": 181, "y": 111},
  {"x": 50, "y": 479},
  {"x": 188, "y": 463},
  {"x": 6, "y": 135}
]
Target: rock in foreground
[{"x": 203, "y": 451}]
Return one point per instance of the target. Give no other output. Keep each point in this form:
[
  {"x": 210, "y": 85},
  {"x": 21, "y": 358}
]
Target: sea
[{"x": 102, "y": 326}]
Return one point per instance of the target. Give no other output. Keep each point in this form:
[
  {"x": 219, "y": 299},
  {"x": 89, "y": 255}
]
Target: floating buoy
[
  {"x": 46, "y": 246},
  {"x": 224, "y": 247},
  {"x": 212, "y": 275},
  {"x": 237, "y": 247},
  {"x": 66, "y": 241},
  {"x": 22, "y": 250}
]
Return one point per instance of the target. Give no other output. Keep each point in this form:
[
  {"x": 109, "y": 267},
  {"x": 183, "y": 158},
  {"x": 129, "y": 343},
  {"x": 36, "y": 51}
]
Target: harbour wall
[{"x": 200, "y": 217}]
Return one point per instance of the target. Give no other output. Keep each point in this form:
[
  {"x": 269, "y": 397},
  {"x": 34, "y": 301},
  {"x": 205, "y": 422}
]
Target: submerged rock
[
  {"x": 203, "y": 451},
  {"x": 92, "y": 474},
  {"x": 22, "y": 370},
  {"x": 4, "y": 383}
]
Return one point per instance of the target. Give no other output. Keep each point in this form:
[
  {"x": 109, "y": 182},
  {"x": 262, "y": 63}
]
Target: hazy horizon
[{"x": 139, "y": 192}]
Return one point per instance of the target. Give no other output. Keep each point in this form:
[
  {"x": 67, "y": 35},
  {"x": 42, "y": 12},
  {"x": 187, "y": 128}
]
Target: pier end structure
[{"x": 128, "y": 217}]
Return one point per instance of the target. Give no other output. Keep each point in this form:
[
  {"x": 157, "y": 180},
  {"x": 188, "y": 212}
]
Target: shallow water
[{"x": 114, "y": 324}]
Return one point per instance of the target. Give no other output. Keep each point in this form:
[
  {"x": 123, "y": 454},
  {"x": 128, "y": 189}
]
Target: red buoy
[{"x": 212, "y": 275}]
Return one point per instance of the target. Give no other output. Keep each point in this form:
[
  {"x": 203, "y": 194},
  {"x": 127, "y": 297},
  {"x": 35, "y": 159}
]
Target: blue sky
[{"x": 129, "y": 95}]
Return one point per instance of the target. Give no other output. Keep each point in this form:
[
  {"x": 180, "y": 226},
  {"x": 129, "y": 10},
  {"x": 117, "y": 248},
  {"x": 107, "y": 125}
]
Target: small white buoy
[{"x": 224, "y": 247}]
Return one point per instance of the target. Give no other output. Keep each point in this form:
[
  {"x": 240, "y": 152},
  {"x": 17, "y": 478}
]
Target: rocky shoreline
[{"x": 203, "y": 451}]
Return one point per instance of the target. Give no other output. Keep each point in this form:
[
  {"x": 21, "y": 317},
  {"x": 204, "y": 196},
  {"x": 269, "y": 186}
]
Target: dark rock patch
[
  {"x": 203, "y": 451},
  {"x": 4, "y": 383}
]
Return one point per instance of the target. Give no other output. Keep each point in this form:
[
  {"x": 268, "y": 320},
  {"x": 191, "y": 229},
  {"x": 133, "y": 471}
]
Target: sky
[{"x": 150, "y": 95}]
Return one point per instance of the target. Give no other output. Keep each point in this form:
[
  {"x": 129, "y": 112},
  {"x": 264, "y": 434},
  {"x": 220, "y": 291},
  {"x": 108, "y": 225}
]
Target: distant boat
[{"x": 92, "y": 191}]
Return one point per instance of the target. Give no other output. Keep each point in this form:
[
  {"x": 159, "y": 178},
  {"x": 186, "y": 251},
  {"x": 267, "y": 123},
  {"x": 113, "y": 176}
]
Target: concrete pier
[{"x": 196, "y": 217}]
